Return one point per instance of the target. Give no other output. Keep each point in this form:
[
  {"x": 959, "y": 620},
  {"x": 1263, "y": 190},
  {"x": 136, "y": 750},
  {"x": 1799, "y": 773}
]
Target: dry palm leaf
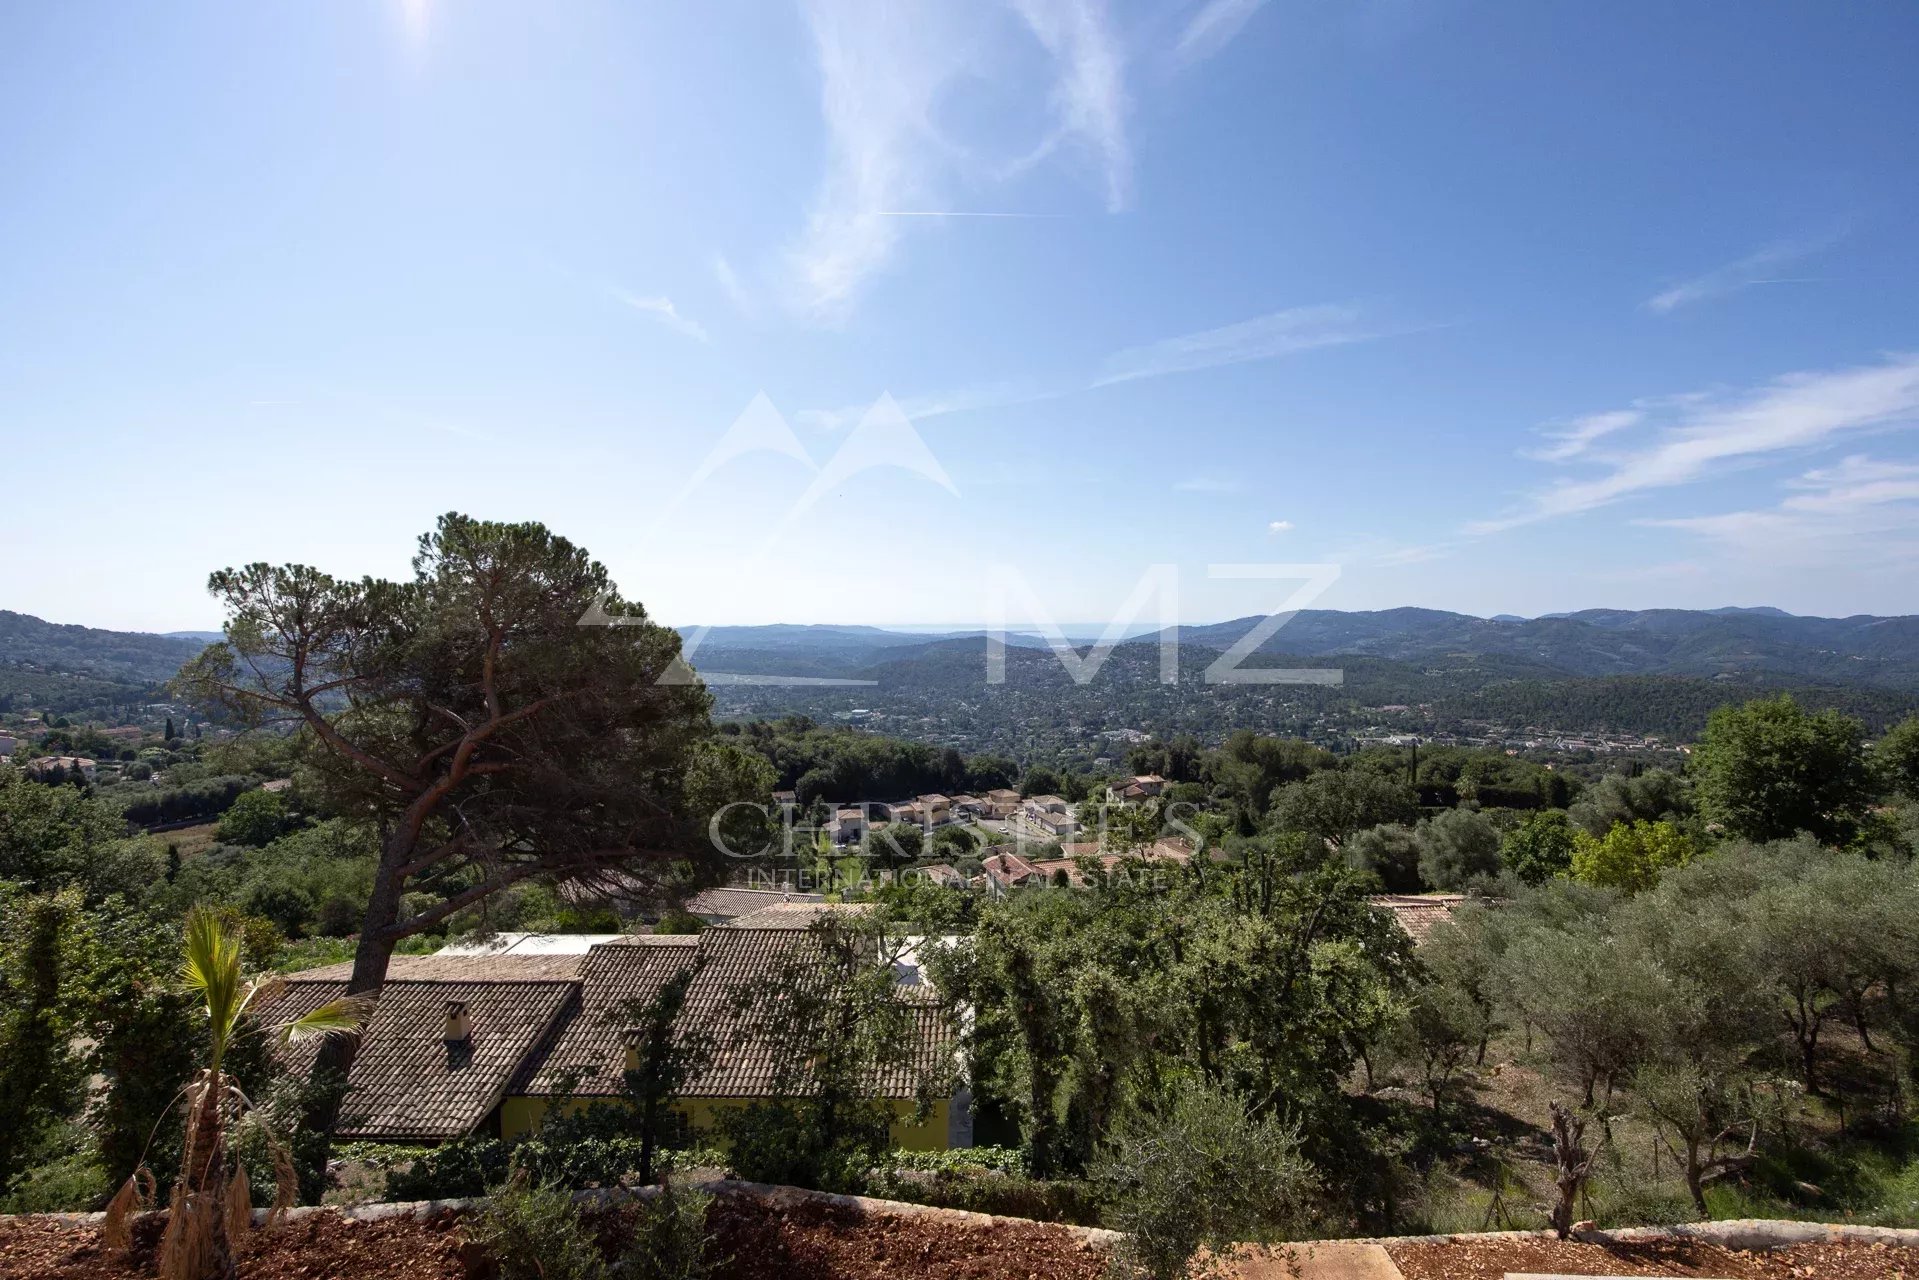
[
  {"x": 239, "y": 1203},
  {"x": 136, "y": 1195}
]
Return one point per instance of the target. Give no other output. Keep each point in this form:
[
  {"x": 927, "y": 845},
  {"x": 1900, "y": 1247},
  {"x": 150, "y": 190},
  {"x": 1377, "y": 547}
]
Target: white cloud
[
  {"x": 1265, "y": 338},
  {"x": 1753, "y": 269},
  {"x": 1213, "y": 28},
  {"x": 883, "y": 70},
  {"x": 662, "y": 309},
  {"x": 1090, "y": 91},
  {"x": 1832, "y": 509},
  {"x": 1704, "y": 434},
  {"x": 1280, "y": 526},
  {"x": 1578, "y": 435}
]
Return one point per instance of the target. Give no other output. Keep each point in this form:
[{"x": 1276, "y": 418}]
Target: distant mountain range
[
  {"x": 1762, "y": 643},
  {"x": 126, "y": 656},
  {"x": 1651, "y": 670}
]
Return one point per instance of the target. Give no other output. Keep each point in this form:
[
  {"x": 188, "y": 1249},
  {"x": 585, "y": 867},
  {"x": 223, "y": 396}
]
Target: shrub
[
  {"x": 982, "y": 1190},
  {"x": 670, "y": 1240},
  {"x": 534, "y": 1232},
  {"x": 961, "y": 1160},
  {"x": 464, "y": 1167},
  {"x": 70, "y": 1184},
  {"x": 1207, "y": 1171},
  {"x": 783, "y": 1142}
]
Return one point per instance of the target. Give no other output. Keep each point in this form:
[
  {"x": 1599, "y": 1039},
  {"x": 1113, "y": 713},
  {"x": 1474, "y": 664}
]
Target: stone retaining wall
[{"x": 778, "y": 1197}]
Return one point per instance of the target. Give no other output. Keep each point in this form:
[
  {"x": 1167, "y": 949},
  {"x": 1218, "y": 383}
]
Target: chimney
[
  {"x": 459, "y": 1027},
  {"x": 634, "y": 1038}
]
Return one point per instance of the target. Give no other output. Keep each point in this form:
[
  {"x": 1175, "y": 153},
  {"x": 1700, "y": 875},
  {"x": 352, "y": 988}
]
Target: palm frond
[
  {"x": 136, "y": 1195},
  {"x": 340, "y": 1017},
  {"x": 286, "y": 1180},
  {"x": 212, "y": 968},
  {"x": 239, "y": 1203},
  {"x": 194, "y": 1242}
]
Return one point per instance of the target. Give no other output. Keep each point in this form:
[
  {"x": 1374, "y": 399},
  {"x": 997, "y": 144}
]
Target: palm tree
[{"x": 210, "y": 1204}]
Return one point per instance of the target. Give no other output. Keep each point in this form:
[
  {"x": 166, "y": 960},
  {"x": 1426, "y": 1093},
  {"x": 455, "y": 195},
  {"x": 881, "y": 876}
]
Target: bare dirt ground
[
  {"x": 810, "y": 1242},
  {"x": 1493, "y": 1259}
]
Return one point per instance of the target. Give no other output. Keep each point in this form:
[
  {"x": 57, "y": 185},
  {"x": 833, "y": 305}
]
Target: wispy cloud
[
  {"x": 1212, "y": 28},
  {"x": 1419, "y": 554},
  {"x": 883, "y": 69},
  {"x": 1209, "y": 484},
  {"x": 1852, "y": 511},
  {"x": 1268, "y": 337},
  {"x": 1704, "y": 434},
  {"x": 661, "y": 308},
  {"x": 1577, "y": 436},
  {"x": 960, "y": 213},
  {"x": 1753, "y": 269},
  {"x": 934, "y": 405},
  {"x": 731, "y": 285},
  {"x": 1265, "y": 338},
  {"x": 1280, "y": 526},
  {"x": 1089, "y": 93}
]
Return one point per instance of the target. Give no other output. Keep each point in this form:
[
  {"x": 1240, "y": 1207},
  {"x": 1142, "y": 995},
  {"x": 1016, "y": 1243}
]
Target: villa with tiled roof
[{"x": 490, "y": 1043}]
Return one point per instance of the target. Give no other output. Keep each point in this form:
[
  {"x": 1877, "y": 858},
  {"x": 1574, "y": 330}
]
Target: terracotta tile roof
[
  {"x": 407, "y": 1082},
  {"x": 729, "y": 903},
  {"x": 591, "y": 1048},
  {"x": 590, "y": 1054},
  {"x": 744, "y": 1067},
  {"x": 1418, "y": 913},
  {"x": 1007, "y": 869}
]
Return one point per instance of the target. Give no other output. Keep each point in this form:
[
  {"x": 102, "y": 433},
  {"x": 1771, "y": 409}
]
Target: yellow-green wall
[{"x": 519, "y": 1115}]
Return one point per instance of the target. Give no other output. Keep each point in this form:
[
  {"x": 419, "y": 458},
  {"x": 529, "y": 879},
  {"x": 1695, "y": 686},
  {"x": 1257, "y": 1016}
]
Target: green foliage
[
  {"x": 1769, "y": 770},
  {"x": 791, "y": 1143},
  {"x": 255, "y": 818},
  {"x": 39, "y": 1073},
  {"x": 822, "y": 763},
  {"x": 1441, "y": 1029},
  {"x": 68, "y": 1183},
  {"x": 52, "y": 838},
  {"x": 1205, "y": 1168},
  {"x": 473, "y": 689},
  {"x": 670, "y": 1240},
  {"x": 1083, "y": 1002},
  {"x": 1389, "y": 852},
  {"x": 205, "y": 798},
  {"x": 914, "y": 904},
  {"x": 1332, "y": 804},
  {"x": 990, "y": 1188},
  {"x": 1630, "y": 858},
  {"x": 1657, "y": 795},
  {"x": 1458, "y": 849},
  {"x": 960, "y": 1160},
  {"x": 533, "y": 1231},
  {"x": 1539, "y": 848},
  {"x": 1895, "y": 758},
  {"x": 729, "y": 789}
]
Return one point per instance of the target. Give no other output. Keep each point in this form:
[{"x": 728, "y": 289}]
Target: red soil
[
  {"x": 1493, "y": 1259},
  {"x": 809, "y": 1242}
]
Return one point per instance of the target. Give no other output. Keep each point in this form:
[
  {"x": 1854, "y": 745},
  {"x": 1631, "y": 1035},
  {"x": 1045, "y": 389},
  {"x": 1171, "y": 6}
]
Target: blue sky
[{"x": 1498, "y": 307}]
